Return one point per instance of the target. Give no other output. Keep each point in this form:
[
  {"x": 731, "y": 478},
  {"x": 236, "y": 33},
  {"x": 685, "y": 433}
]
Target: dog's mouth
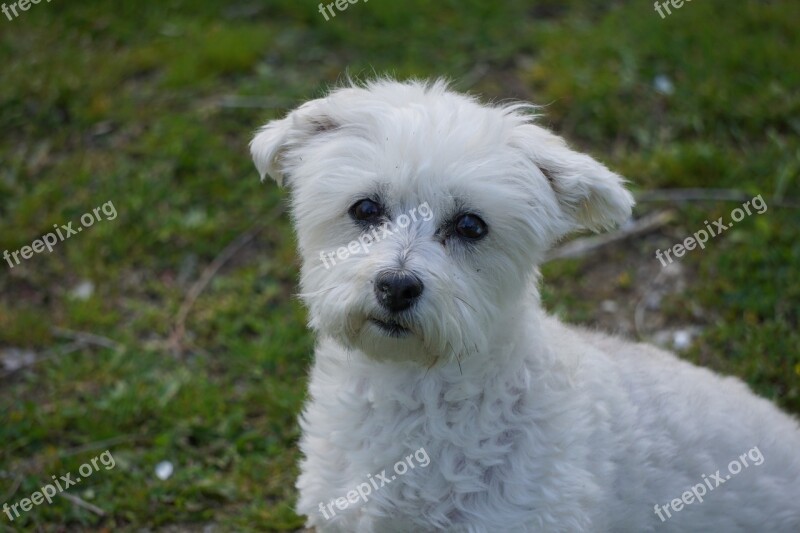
[{"x": 391, "y": 328}]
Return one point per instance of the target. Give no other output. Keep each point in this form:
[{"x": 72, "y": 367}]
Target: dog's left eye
[
  {"x": 471, "y": 227},
  {"x": 366, "y": 211}
]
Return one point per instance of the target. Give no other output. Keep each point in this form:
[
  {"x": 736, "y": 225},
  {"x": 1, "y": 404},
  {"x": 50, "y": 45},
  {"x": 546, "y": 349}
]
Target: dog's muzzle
[{"x": 397, "y": 291}]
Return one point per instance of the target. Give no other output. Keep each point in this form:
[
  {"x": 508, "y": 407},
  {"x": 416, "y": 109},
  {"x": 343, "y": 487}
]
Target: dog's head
[{"x": 421, "y": 214}]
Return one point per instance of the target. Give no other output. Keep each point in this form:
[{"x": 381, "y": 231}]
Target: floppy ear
[
  {"x": 589, "y": 194},
  {"x": 275, "y": 139}
]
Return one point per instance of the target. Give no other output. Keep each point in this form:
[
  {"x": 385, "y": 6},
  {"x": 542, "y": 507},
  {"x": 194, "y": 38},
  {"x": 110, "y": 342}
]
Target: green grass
[{"x": 131, "y": 103}]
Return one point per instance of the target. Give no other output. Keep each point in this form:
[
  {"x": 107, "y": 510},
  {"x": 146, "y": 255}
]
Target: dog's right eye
[
  {"x": 471, "y": 227},
  {"x": 366, "y": 211}
]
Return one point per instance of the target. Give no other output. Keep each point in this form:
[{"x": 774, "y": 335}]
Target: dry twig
[
  {"x": 175, "y": 340},
  {"x": 703, "y": 195},
  {"x": 86, "y": 338},
  {"x": 80, "y": 502},
  {"x": 581, "y": 247}
]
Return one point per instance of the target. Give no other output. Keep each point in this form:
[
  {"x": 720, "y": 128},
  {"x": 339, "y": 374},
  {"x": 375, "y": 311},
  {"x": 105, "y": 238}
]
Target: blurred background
[{"x": 170, "y": 336}]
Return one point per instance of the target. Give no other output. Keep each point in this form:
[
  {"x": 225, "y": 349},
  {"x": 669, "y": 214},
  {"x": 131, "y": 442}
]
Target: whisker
[
  {"x": 349, "y": 329},
  {"x": 464, "y": 302},
  {"x": 304, "y": 294},
  {"x": 435, "y": 360},
  {"x": 457, "y": 358}
]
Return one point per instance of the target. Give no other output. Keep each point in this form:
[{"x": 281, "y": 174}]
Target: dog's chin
[
  {"x": 384, "y": 339},
  {"x": 383, "y": 327}
]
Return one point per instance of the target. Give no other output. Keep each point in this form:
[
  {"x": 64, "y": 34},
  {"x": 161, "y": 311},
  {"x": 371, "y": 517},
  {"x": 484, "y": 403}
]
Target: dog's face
[{"x": 421, "y": 215}]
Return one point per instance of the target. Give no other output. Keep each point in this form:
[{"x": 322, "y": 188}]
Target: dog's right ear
[
  {"x": 590, "y": 196},
  {"x": 277, "y": 138}
]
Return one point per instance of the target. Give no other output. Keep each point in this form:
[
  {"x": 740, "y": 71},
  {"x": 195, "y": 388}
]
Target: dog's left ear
[
  {"x": 276, "y": 139},
  {"x": 589, "y": 194}
]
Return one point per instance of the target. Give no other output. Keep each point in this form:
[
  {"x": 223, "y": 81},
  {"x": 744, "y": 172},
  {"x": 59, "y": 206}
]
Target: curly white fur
[{"x": 530, "y": 425}]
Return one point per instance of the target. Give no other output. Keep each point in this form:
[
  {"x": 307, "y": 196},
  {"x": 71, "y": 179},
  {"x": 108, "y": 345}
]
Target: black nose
[{"x": 396, "y": 291}]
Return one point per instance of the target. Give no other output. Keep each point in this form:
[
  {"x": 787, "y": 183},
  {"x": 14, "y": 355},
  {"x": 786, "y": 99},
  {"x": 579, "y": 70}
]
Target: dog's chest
[
  {"x": 498, "y": 442},
  {"x": 469, "y": 436}
]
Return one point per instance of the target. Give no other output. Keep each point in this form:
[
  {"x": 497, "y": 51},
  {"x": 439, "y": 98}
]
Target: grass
[{"x": 142, "y": 105}]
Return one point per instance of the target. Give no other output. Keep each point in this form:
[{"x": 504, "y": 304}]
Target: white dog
[{"x": 442, "y": 397}]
